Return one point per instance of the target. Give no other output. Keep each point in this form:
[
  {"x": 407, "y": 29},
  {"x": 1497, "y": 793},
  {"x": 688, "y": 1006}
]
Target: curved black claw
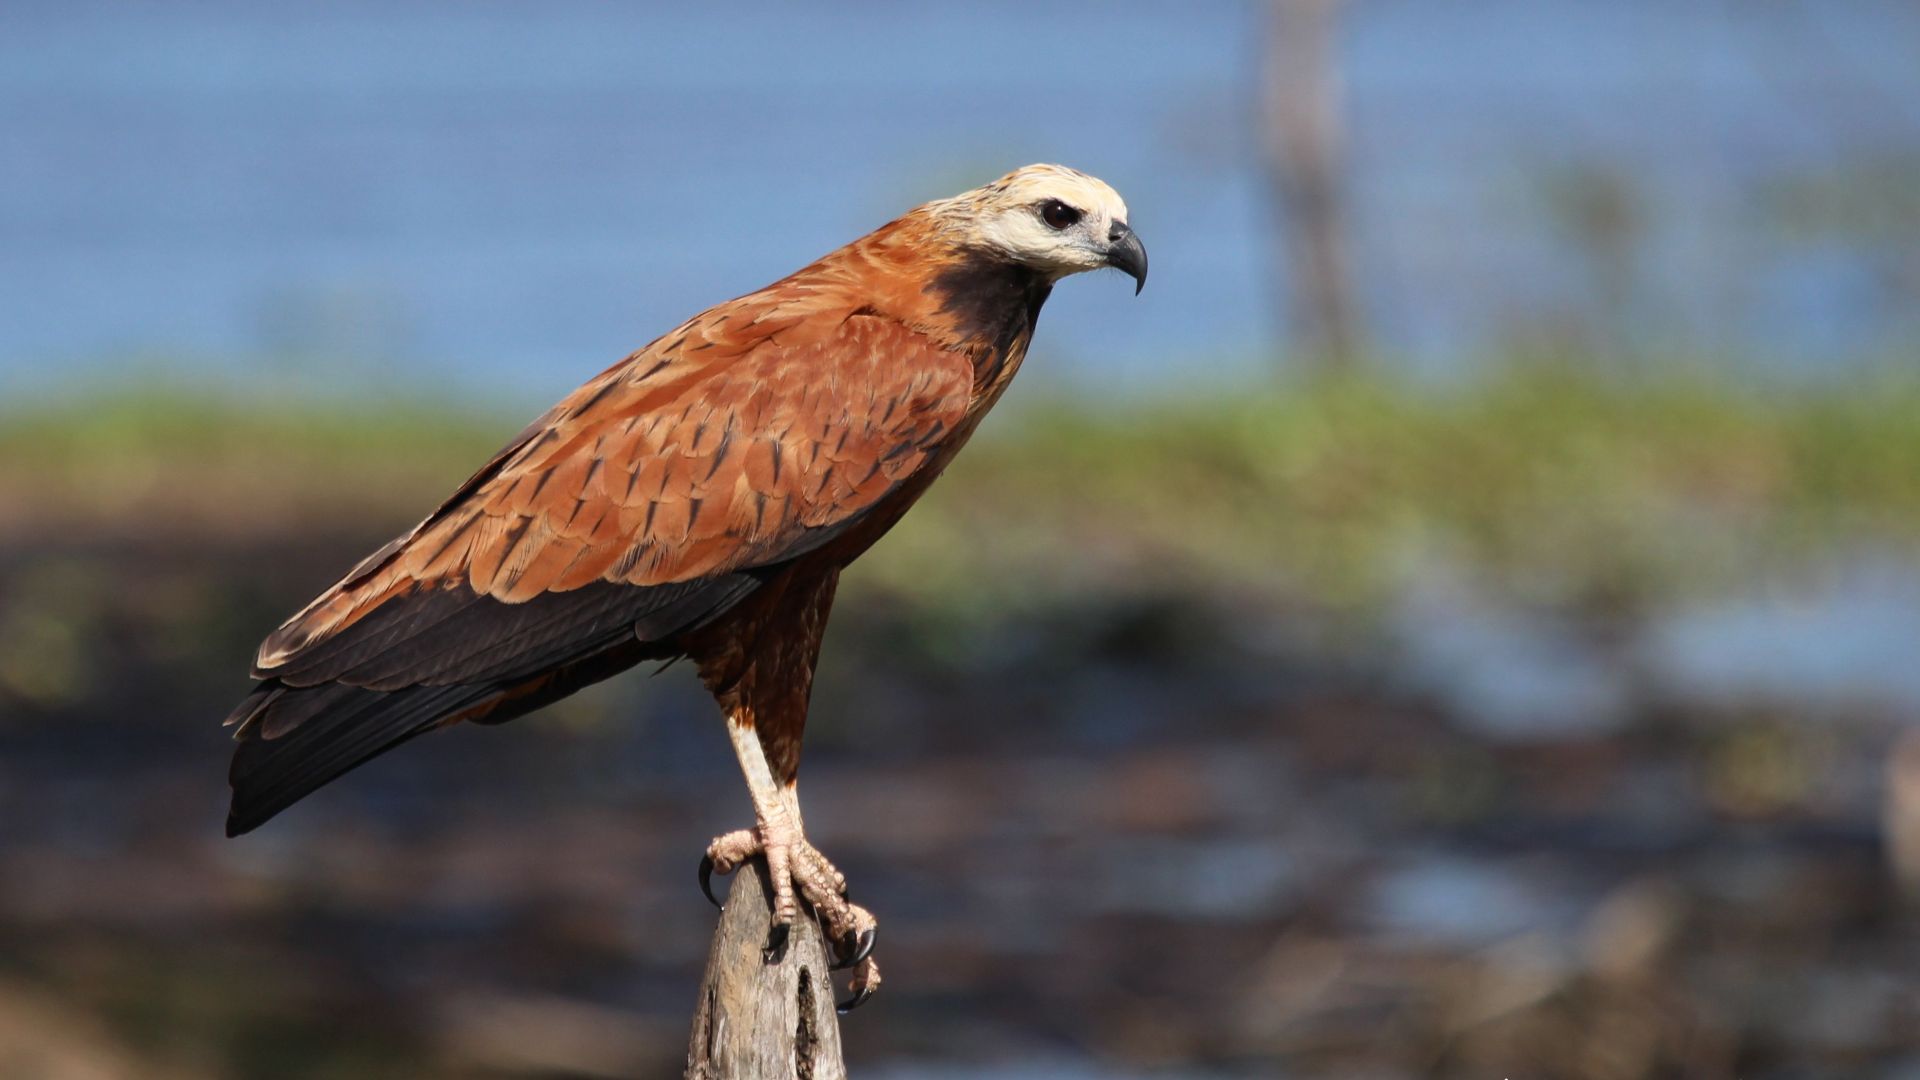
[
  {"x": 858, "y": 999},
  {"x": 862, "y": 948},
  {"x": 776, "y": 945},
  {"x": 706, "y": 879}
]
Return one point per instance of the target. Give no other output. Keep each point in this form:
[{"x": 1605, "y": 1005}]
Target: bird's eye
[{"x": 1058, "y": 215}]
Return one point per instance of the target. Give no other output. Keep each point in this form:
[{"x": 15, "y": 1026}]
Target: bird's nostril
[{"x": 1117, "y": 230}]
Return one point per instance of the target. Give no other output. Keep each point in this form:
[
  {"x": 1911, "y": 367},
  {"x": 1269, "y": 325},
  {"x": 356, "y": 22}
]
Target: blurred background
[{"x": 1463, "y": 620}]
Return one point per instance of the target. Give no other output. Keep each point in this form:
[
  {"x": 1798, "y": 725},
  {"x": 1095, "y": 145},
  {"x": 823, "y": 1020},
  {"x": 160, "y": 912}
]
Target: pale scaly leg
[{"x": 779, "y": 835}]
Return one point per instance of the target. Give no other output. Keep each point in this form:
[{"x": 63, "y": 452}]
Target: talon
[
  {"x": 858, "y": 999},
  {"x": 706, "y": 880},
  {"x": 866, "y": 979},
  {"x": 776, "y": 943},
  {"x": 862, "y": 948}
]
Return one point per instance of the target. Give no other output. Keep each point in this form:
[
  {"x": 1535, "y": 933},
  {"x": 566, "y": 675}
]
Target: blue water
[{"x": 520, "y": 193}]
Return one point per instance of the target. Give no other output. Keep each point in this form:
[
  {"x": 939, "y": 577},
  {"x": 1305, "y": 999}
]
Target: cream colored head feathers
[{"x": 1050, "y": 218}]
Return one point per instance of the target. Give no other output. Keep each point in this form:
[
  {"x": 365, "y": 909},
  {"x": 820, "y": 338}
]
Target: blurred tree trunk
[{"x": 1304, "y": 145}]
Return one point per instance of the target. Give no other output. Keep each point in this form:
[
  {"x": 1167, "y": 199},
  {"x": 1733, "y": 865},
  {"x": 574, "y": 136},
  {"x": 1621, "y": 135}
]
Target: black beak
[{"x": 1126, "y": 254}]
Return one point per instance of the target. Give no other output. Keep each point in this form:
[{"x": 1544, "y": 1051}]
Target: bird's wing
[{"x": 646, "y": 499}]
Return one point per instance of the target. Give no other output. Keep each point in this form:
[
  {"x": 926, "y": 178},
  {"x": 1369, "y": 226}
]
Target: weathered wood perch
[{"x": 764, "y": 1017}]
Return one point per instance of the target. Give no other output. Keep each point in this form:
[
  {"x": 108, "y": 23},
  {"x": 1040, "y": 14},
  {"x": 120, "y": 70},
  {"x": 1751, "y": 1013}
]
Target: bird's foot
[{"x": 796, "y": 870}]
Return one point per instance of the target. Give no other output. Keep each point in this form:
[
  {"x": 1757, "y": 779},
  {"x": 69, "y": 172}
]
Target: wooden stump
[{"x": 761, "y": 1016}]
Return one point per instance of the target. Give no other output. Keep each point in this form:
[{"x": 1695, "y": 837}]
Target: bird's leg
[
  {"x": 776, "y": 831},
  {"x": 778, "y": 834}
]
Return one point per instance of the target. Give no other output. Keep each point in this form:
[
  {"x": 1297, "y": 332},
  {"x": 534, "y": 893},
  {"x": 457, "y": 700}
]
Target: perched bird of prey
[{"x": 697, "y": 499}]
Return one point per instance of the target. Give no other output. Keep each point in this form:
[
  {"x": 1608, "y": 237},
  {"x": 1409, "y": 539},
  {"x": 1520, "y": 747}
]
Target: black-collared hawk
[{"x": 698, "y": 499}]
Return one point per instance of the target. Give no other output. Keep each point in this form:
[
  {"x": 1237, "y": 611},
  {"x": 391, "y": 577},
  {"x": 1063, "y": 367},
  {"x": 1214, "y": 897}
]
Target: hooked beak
[{"x": 1126, "y": 254}]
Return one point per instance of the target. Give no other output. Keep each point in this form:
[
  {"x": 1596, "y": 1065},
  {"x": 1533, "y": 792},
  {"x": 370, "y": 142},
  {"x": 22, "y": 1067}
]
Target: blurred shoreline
[{"x": 1387, "y": 731}]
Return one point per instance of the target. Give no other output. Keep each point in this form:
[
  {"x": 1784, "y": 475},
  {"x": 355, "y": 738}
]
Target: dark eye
[{"x": 1058, "y": 215}]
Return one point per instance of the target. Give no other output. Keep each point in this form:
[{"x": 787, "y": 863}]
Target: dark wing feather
[
  {"x": 438, "y": 635},
  {"x": 643, "y": 506}
]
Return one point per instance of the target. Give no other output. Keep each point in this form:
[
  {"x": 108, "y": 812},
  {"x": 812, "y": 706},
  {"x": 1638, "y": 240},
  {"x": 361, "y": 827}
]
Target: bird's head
[{"x": 1050, "y": 218}]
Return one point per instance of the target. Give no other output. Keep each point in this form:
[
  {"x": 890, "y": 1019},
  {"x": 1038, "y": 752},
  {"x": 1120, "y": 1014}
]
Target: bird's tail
[{"x": 293, "y": 739}]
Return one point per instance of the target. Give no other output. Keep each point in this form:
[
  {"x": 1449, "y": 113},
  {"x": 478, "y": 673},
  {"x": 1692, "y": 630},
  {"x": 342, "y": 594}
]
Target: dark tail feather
[{"x": 294, "y": 739}]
